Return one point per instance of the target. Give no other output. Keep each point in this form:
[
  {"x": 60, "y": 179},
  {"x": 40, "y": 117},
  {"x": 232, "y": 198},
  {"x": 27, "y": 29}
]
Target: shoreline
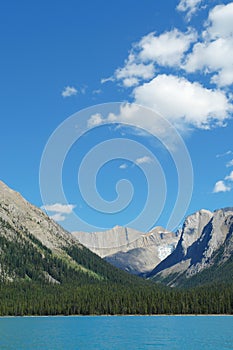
[{"x": 121, "y": 315}]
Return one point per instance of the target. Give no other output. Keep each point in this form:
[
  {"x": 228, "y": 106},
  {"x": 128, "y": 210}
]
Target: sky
[{"x": 117, "y": 113}]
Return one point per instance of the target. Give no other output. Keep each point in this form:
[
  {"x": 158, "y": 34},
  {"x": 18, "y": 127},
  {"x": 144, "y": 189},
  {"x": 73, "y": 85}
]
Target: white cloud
[
  {"x": 224, "y": 185},
  {"x": 220, "y": 22},
  {"x": 229, "y": 164},
  {"x": 105, "y": 80},
  {"x": 58, "y": 217},
  {"x": 132, "y": 72},
  {"x": 214, "y": 54},
  {"x": 143, "y": 160},
  {"x": 220, "y": 186},
  {"x": 229, "y": 177},
  {"x": 213, "y": 57},
  {"x": 97, "y": 92},
  {"x": 184, "y": 102},
  {"x": 59, "y": 208},
  {"x": 166, "y": 49},
  {"x": 224, "y": 154},
  {"x": 69, "y": 91},
  {"x": 189, "y": 6},
  {"x": 181, "y": 101},
  {"x": 123, "y": 166},
  {"x": 95, "y": 120}
]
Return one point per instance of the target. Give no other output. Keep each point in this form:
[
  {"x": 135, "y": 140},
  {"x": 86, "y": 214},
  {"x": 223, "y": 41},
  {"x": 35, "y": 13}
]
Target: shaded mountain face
[
  {"x": 129, "y": 249},
  {"x": 204, "y": 252},
  {"x": 33, "y": 247}
]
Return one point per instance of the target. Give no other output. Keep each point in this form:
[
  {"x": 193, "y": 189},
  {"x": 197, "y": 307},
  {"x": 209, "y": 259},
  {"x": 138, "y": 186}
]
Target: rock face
[
  {"x": 128, "y": 249},
  {"x": 206, "y": 241},
  {"x": 23, "y": 217},
  {"x": 34, "y": 248}
]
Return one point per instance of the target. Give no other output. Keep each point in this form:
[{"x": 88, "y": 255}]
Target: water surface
[{"x": 117, "y": 332}]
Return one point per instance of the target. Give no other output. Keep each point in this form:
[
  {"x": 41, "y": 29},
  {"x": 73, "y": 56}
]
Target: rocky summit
[
  {"x": 129, "y": 249},
  {"x": 205, "y": 249}
]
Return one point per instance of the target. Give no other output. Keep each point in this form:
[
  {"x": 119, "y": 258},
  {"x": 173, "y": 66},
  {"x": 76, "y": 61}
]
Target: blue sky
[{"x": 175, "y": 57}]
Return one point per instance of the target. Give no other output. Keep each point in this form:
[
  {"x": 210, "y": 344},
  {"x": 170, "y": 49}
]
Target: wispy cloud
[
  {"x": 69, "y": 91},
  {"x": 97, "y": 92},
  {"x": 189, "y": 6},
  {"x": 105, "y": 80},
  {"x": 227, "y": 153},
  {"x": 58, "y": 217},
  {"x": 123, "y": 166},
  {"x": 229, "y": 177},
  {"x": 143, "y": 160},
  {"x": 229, "y": 164}
]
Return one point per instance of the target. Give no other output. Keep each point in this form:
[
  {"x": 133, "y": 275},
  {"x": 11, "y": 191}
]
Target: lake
[{"x": 117, "y": 332}]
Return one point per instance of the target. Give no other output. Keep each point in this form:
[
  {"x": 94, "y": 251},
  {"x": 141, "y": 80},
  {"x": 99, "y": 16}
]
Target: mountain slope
[
  {"x": 33, "y": 247},
  {"x": 128, "y": 249},
  {"x": 204, "y": 252},
  {"x": 45, "y": 271}
]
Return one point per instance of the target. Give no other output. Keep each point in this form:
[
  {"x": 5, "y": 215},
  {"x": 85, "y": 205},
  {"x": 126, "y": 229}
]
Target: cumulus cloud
[
  {"x": 69, "y": 91},
  {"x": 133, "y": 72},
  {"x": 220, "y": 186},
  {"x": 59, "y": 208},
  {"x": 189, "y": 6},
  {"x": 143, "y": 160},
  {"x": 166, "y": 49},
  {"x": 180, "y": 100},
  {"x": 214, "y": 54},
  {"x": 219, "y": 22},
  {"x": 213, "y": 57},
  {"x": 224, "y": 185},
  {"x": 184, "y": 102},
  {"x": 95, "y": 120}
]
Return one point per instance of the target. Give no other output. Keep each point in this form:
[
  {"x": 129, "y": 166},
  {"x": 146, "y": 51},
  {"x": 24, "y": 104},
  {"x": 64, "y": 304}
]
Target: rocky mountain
[
  {"x": 35, "y": 248},
  {"x": 129, "y": 249},
  {"x": 204, "y": 252}
]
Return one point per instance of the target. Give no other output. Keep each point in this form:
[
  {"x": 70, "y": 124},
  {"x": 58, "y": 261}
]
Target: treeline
[
  {"x": 30, "y": 298},
  {"x": 74, "y": 281}
]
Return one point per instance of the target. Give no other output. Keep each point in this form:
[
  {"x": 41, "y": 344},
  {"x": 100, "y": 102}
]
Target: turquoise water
[{"x": 134, "y": 332}]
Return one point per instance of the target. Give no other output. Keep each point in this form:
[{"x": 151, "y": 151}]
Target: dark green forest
[
  {"x": 84, "y": 284},
  {"x": 111, "y": 298}
]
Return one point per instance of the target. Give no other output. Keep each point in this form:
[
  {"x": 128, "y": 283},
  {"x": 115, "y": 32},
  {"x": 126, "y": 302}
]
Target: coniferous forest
[{"x": 93, "y": 287}]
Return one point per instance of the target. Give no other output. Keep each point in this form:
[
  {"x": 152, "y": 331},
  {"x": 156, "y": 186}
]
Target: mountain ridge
[
  {"x": 45, "y": 271},
  {"x": 128, "y": 249},
  {"x": 206, "y": 242}
]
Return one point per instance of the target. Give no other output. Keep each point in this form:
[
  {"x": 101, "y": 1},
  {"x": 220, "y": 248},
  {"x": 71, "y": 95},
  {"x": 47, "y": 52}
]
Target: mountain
[
  {"x": 129, "y": 249},
  {"x": 44, "y": 270},
  {"x": 204, "y": 253},
  {"x": 35, "y": 248}
]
